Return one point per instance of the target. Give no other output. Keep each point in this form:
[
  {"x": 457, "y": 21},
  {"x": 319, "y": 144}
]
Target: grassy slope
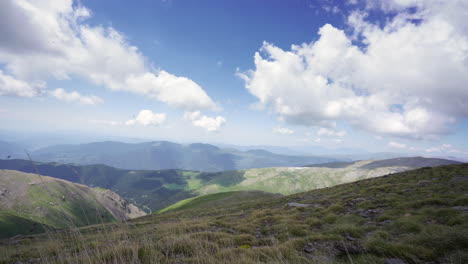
[
  {"x": 217, "y": 199},
  {"x": 29, "y": 204},
  {"x": 417, "y": 216},
  {"x": 12, "y": 224},
  {"x": 154, "y": 190},
  {"x": 289, "y": 180}
]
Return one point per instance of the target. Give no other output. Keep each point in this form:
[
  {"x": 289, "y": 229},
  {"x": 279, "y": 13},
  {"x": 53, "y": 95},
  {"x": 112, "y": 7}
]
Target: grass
[
  {"x": 11, "y": 224},
  {"x": 217, "y": 199},
  {"x": 362, "y": 222},
  {"x": 33, "y": 204},
  {"x": 155, "y": 190}
]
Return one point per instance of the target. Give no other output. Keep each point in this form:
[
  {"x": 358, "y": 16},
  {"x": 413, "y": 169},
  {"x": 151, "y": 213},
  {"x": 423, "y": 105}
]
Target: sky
[{"x": 378, "y": 75}]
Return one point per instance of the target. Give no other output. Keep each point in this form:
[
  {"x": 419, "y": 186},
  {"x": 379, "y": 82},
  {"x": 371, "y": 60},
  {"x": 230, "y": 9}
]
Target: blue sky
[{"x": 340, "y": 74}]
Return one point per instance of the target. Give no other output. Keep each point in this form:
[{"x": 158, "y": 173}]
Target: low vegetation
[
  {"x": 218, "y": 199},
  {"x": 155, "y": 190},
  {"x": 417, "y": 216},
  {"x": 30, "y": 204}
]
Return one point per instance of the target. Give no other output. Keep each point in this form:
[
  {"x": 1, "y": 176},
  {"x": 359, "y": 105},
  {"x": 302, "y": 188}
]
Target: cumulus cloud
[
  {"x": 147, "y": 118},
  {"x": 405, "y": 78},
  {"x": 211, "y": 124},
  {"x": 10, "y": 86},
  {"x": 55, "y": 42},
  {"x": 330, "y": 132},
  {"x": 75, "y": 97},
  {"x": 283, "y": 131},
  {"x": 397, "y": 145}
]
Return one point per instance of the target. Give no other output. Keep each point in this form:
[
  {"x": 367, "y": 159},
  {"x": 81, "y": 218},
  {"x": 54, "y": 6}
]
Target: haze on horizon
[{"x": 374, "y": 75}]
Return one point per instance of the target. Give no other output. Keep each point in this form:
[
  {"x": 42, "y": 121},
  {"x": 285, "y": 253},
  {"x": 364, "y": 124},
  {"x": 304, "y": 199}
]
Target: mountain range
[
  {"x": 154, "y": 190},
  {"x": 168, "y": 155}
]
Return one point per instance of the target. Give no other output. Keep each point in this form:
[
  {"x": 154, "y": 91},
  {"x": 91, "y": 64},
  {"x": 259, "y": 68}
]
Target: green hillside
[
  {"x": 289, "y": 180},
  {"x": 12, "y": 224},
  {"x": 30, "y": 204},
  {"x": 155, "y": 190},
  {"x": 218, "y": 199},
  {"x": 417, "y": 216},
  {"x": 150, "y": 190}
]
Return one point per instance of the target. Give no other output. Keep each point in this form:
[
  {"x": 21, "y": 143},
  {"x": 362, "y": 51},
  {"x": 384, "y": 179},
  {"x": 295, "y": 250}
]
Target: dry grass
[{"x": 399, "y": 216}]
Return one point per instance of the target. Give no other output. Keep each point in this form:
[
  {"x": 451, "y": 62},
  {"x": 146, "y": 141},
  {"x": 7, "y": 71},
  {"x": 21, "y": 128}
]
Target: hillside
[
  {"x": 168, "y": 155},
  {"x": 149, "y": 190},
  {"x": 218, "y": 199},
  {"x": 154, "y": 190},
  {"x": 417, "y": 216},
  {"x": 409, "y": 162},
  {"x": 30, "y": 203},
  {"x": 289, "y": 180}
]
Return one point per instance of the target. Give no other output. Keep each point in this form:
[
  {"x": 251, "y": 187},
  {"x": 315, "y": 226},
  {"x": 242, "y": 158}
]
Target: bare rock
[
  {"x": 298, "y": 205},
  {"x": 458, "y": 179},
  {"x": 394, "y": 261},
  {"x": 463, "y": 209}
]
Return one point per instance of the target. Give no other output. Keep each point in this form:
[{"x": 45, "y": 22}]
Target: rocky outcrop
[{"x": 117, "y": 206}]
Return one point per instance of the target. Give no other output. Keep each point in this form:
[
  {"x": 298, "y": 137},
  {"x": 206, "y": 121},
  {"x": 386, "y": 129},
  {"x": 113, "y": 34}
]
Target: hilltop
[
  {"x": 30, "y": 203},
  {"x": 417, "y": 216}
]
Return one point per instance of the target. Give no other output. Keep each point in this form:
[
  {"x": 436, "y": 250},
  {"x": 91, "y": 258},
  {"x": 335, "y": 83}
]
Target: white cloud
[
  {"x": 55, "y": 42},
  {"x": 330, "y": 132},
  {"x": 283, "y": 131},
  {"x": 165, "y": 87},
  {"x": 211, "y": 124},
  {"x": 444, "y": 148},
  {"x": 409, "y": 80},
  {"x": 147, "y": 118},
  {"x": 13, "y": 87},
  {"x": 397, "y": 145},
  {"x": 75, "y": 97},
  {"x": 338, "y": 140}
]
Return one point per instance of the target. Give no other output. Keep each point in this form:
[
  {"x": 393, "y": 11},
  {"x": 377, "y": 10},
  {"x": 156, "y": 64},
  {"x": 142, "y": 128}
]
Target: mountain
[
  {"x": 333, "y": 165},
  {"x": 168, "y": 155},
  {"x": 30, "y": 203},
  {"x": 410, "y": 162},
  {"x": 155, "y": 190},
  {"x": 414, "y": 162},
  {"x": 288, "y": 180},
  {"x": 149, "y": 190},
  {"x": 12, "y": 150},
  {"x": 417, "y": 216}
]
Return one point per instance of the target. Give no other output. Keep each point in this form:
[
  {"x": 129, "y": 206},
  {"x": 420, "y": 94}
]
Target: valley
[
  {"x": 154, "y": 190},
  {"x": 417, "y": 216}
]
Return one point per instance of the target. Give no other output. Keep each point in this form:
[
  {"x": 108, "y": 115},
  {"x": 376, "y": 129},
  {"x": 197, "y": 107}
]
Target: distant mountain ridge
[{"x": 160, "y": 155}]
